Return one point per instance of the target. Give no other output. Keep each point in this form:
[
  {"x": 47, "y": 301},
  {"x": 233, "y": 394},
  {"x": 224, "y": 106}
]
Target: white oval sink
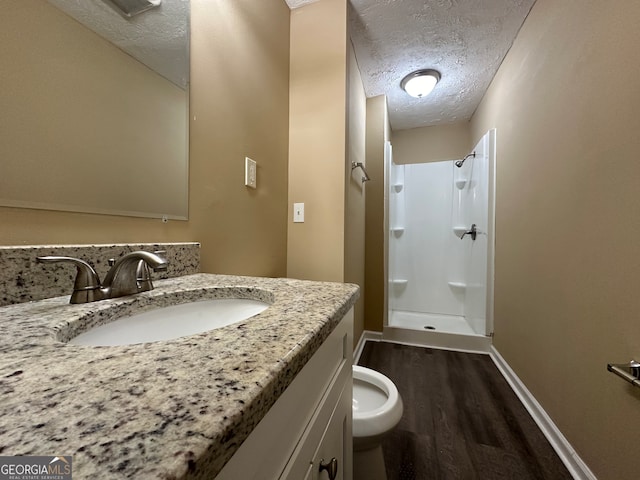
[{"x": 171, "y": 322}]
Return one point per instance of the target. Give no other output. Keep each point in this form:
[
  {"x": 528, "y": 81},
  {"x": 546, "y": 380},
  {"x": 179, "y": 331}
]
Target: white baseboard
[
  {"x": 366, "y": 335},
  {"x": 560, "y": 444}
]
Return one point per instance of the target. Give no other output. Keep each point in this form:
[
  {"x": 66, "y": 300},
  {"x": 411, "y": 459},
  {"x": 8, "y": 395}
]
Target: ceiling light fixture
[{"x": 420, "y": 83}]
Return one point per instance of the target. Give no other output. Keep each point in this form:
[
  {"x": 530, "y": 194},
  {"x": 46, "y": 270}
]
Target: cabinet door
[
  {"x": 336, "y": 442},
  {"x": 328, "y": 438}
]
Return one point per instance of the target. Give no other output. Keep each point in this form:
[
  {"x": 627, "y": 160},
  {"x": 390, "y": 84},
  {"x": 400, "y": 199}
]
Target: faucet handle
[
  {"x": 86, "y": 287},
  {"x": 143, "y": 276},
  {"x": 143, "y": 271},
  {"x": 473, "y": 232},
  {"x": 86, "y": 276}
]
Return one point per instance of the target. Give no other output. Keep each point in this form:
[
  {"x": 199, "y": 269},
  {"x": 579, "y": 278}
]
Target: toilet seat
[{"x": 385, "y": 415}]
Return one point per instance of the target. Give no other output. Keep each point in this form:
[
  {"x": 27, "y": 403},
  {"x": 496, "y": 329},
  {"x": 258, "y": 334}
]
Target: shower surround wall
[
  {"x": 439, "y": 281},
  {"x": 426, "y": 253},
  {"x": 474, "y": 186}
]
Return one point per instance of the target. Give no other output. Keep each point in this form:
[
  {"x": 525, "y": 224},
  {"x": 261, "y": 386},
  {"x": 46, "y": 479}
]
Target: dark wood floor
[{"x": 461, "y": 419}]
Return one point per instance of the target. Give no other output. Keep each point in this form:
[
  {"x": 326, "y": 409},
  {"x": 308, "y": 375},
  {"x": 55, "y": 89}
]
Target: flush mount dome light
[{"x": 420, "y": 83}]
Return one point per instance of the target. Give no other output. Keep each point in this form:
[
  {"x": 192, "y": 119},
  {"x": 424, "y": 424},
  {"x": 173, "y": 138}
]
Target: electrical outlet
[
  {"x": 250, "y": 173},
  {"x": 298, "y": 213}
]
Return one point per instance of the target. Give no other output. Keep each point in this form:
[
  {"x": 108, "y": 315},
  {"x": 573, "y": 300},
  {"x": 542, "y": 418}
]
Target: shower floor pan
[
  {"x": 447, "y": 331},
  {"x": 430, "y": 321}
]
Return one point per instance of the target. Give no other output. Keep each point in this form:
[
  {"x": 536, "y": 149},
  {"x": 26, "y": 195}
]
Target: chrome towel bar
[
  {"x": 365, "y": 176},
  {"x": 628, "y": 371}
]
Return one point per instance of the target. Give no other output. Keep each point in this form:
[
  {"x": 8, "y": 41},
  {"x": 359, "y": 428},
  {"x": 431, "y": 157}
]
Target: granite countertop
[{"x": 171, "y": 409}]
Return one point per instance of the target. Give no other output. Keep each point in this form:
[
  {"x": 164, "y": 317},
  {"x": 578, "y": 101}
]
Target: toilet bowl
[{"x": 377, "y": 409}]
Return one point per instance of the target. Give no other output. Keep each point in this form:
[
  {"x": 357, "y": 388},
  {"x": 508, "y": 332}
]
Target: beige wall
[
  {"x": 378, "y": 131},
  {"x": 432, "y": 144},
  {"x": 233, "y": 115},
  {"x": 327, "y": 133},
  {"x": 354, "y": 246},
  {"x": 565, "y": 103},
  {"x": 239, "y": 113},
  {"x": 317, "y": 140}
]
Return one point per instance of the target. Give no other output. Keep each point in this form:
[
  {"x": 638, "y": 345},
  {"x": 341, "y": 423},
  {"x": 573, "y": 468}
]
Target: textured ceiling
[
  {"x": 465, "y": 40},
  {"x": 158, "y": 37}
]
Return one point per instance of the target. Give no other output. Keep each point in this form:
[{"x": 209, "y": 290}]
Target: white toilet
[{"x": 377, "y": 409}]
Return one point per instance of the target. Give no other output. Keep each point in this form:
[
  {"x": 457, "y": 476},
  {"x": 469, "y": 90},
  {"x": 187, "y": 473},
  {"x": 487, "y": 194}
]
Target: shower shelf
[
  {"x": 398, "y": 187},
  {"x": 459, "y": 231},
  {"x": 461, "y": 183},
  {"x": 457, "y": 285}
]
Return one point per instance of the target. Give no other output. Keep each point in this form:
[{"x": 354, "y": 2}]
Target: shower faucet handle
[{"x": 473, "y": 232}]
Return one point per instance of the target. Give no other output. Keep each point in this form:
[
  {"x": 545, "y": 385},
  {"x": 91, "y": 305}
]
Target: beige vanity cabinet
[{"x": 307, "y": 433}]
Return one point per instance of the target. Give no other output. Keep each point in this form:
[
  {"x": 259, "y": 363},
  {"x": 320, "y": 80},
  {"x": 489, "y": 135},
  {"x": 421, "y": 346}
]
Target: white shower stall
[{"x": 441, "y": 249}]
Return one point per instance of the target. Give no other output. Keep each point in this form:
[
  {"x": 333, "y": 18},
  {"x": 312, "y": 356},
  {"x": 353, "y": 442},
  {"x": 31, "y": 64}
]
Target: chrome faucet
[{"x": 128, "y": 275}]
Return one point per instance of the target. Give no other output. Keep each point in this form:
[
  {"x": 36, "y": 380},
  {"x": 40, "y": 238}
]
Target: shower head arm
[{"x": 460, "y": 162}]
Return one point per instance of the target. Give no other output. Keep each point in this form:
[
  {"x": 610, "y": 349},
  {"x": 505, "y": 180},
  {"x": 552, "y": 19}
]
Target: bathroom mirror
[{"x": 94, "y": 107}]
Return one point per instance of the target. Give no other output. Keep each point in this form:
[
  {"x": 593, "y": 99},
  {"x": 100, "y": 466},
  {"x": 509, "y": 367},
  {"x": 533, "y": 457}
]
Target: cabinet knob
[{"x": 331, "y": 468}]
